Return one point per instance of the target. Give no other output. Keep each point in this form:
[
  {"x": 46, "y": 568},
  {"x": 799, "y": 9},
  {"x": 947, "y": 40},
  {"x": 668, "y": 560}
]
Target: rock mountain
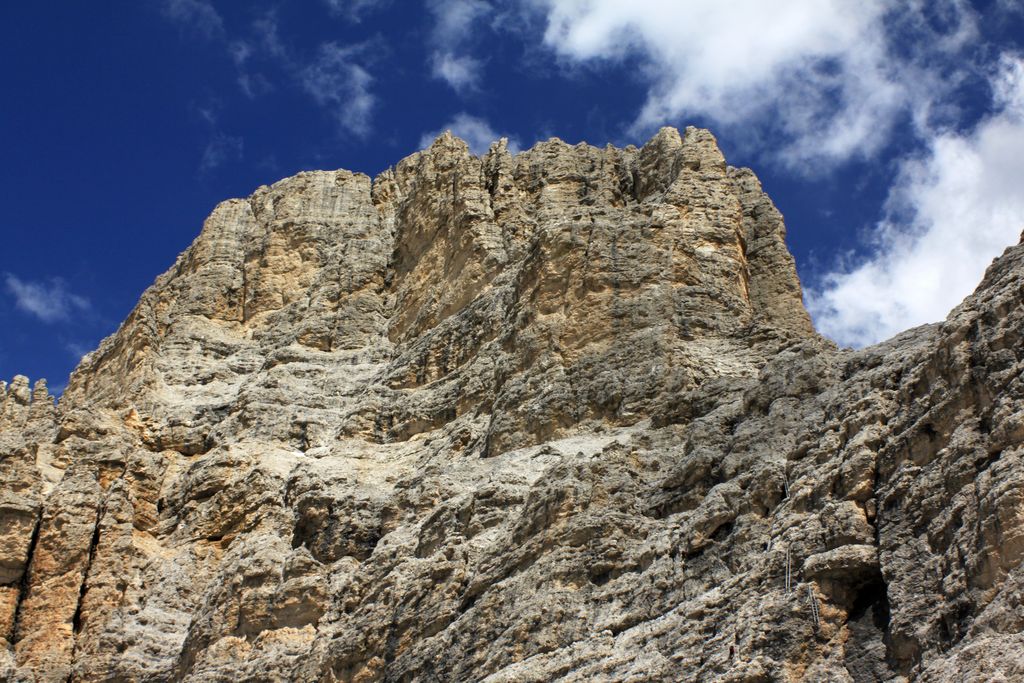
[{"x": 556, "y": 416}]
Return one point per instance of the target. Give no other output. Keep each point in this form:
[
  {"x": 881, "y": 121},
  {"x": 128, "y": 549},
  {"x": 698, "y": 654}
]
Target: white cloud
[
  {"x": 336, "y": 81},
  {"x": 208, "y": 112},
  {"x": 1008, "y": 85},
  {"x": 353, "y": 10},
  {"x": 476, "y": 132},
  {"x": 949, "y": 214},
  {"x": 1010, "y": 6},
  {"x": 335, "y": 78},
  {"x": 201, "y": 17},
  {"x": 50, "y": 302},
  {"x": 264, "y": 41},
  {"x": 78, "y": 350},
  {"x": 198, "y": 15},
  {"x": 820, "y": 78},
  {"x": 220, "y": 149},
  {"x": 453, "y": 19},
  {"x": 253, "y": 85},
  {"x": 266, "y": 31},
  {"x": 454, "y": 22},
  {"x": 240, "y": 52},
  {"x": 461, "y": 72}
]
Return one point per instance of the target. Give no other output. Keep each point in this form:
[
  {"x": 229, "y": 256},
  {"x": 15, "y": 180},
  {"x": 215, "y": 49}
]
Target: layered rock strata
[{"x": 552, "y": 416}]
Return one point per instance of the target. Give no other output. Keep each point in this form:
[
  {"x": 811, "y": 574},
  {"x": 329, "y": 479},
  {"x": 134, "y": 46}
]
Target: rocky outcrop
[{"x": 552, "y": 416}]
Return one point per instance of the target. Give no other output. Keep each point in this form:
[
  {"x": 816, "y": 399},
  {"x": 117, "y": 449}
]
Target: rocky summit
[{"x": 552, "y": 416}]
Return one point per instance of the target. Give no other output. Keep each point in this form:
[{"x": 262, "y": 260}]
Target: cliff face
[{"x": 552, "y": 416}]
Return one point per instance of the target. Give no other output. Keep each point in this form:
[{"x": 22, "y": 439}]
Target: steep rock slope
[{"x": 552, "y": 416}]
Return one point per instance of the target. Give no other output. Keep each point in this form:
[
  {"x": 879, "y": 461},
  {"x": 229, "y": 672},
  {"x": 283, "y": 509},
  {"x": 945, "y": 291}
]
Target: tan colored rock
[{"x": 558, "y": 415}]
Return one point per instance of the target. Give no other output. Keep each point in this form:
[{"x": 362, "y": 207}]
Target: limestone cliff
[{"x": 552, "y": 416}]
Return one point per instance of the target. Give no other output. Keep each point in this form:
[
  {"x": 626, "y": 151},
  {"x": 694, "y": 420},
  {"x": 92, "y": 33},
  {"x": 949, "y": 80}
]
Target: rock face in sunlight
[{"x": 552, "y": 416}]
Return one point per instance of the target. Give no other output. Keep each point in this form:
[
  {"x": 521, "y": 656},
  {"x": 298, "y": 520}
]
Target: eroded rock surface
[{"x": 552, "y": 416}]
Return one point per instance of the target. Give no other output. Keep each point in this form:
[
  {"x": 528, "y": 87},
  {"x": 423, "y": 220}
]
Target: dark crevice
[
  {"x": 467, "y": 604},
  {"x": 869, "y": 655},
  {"x": 872, "y": 597},
  {"x": 245, "y": 291},
  {"x": 76, "y": 621},
  {"x": 983, "y": 463},
  {"x": 303, "y": 436},
  {"x": 954, "y": 622},
  {"x": 722, "y": 532},
  {"x": 25, "y": 576}
]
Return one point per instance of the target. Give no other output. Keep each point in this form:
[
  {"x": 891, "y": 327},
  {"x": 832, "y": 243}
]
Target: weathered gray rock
[{"x": 552, "y": 416}]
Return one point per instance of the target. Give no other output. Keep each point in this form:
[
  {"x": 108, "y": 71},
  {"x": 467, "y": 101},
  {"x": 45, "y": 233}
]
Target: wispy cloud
[
  {"x": 262, "y": 41},
  {"x": 950, "y": 212},
  {"x": 477, "y": 132},
  {"x": 201, "y": 18},
  {"x": 453, "y": 18},
  {"x": 196, "y": 15},
  {"x": 268, "y": 34},
  {"x": 50, "y": 301},
  {"x": 252, "y": 84},
  {"x": 461, "y": 72},
  {"x": 220, "y": 149},
  {"x": 78, "y": 350},
  {"x": 1010, "y": 6},
  {"x": 336, "y": 77},
  {"x": 337, "y": 81},
  {"x": 454, "y": 22},
  {"x": 355, "y": 10},
  {"x": 240, "y": 52}
]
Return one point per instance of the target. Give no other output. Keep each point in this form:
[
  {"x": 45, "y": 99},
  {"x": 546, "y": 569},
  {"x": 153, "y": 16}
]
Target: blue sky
[{"x": 890, "y": 134}]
